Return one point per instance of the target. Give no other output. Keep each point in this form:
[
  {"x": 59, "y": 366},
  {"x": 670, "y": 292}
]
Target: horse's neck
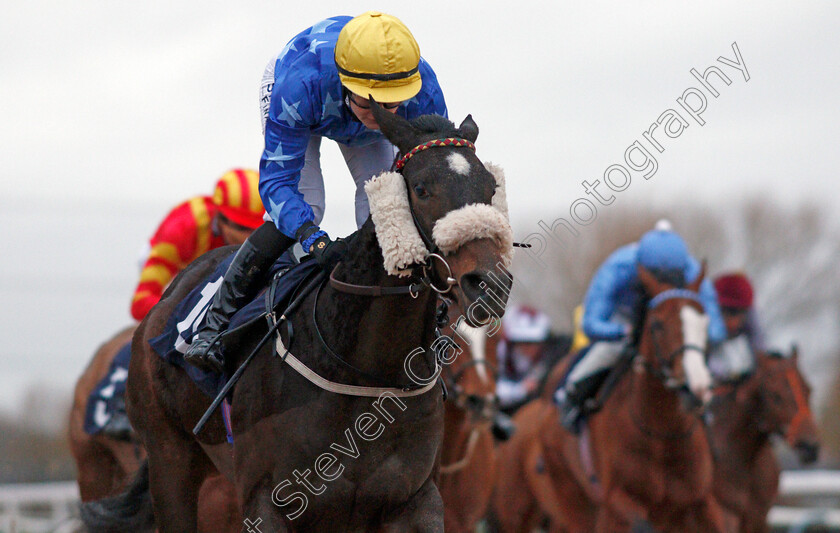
[
  {"x": 736, "y": 428},
  {"x": 455, "y": 428},
  {"x": 655, "y": 406},
  {"x": 377, "y": 334}
]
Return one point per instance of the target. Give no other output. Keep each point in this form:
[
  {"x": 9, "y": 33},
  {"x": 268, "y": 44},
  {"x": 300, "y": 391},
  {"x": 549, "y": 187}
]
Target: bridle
[
  {"x": 789, "y": 430},
  {"x": 482, "y": 408},
  {"x": 422, "y": 272},
  {"x": 662, "y": 368},
  {"x": 431, "y": 246}
]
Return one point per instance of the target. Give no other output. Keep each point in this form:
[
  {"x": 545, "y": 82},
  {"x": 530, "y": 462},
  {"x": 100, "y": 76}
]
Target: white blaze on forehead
[
  {"x": 477, "y": 338},
  {"x": 459, "y": 164},
  {"x": 695, "y": 327}
]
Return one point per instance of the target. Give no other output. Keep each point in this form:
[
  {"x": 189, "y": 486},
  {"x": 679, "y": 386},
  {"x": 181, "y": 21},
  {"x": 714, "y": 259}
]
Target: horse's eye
[{"x": 421, "y": 191}]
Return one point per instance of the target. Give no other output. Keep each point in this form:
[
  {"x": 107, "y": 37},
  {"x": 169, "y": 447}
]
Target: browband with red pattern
[{"x": 449, "y": 141}]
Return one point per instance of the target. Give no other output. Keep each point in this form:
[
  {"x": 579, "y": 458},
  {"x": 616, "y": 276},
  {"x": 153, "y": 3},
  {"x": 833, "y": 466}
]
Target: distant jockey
[
  {"x": 613, "y": 306},
  {"x": 192, "y": 228},
  {"x": 734, "y": 358},
  {"x": 195, "y": 226},
  {"x": 521, "y": 355},
  {"x": 318, "y": 86}
]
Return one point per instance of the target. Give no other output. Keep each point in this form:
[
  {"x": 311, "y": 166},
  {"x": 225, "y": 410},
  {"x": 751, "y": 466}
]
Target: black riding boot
[
  {"x": 573, "y": 407},
  {"x": 245, "y": 276}
]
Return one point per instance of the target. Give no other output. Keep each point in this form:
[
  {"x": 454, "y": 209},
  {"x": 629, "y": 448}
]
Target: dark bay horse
[
  {"x": 468, "y": 458},
  {"x": 773, "y": 400},
  {"x": 374, "y": 458},
  {"x": 106, "y": 465},
  {"x": 649, "y": 452}
]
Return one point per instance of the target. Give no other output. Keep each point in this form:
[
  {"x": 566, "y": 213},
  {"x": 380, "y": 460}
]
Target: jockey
[
  {"x": 520, "y": 354},
  {"x": 192, "y": 228},
  {"x": 319, "y": 86},
  {"x": 612, "y": 309},
  {"x": 734, "y": 358}
]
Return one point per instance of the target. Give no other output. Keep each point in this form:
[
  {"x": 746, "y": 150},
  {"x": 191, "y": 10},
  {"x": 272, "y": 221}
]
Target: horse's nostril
[
  {"x": 807, "y": 451},
  {"x": 477, "y": 284},
  {"x": 471, "y": 285}
]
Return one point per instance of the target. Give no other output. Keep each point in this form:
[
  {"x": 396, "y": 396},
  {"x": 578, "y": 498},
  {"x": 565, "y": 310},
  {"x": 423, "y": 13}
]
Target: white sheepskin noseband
[{"x": 399, "y": 239}]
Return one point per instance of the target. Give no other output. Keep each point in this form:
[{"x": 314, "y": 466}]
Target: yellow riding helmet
[{"x": 376, "y": 55}]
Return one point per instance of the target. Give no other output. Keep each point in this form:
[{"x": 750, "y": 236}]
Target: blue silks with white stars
[
  {"x": 616, "y": 288},
  {"x": 307, "y": 100}
]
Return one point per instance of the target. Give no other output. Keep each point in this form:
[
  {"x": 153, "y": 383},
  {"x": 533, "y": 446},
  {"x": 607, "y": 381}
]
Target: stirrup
[
  {"x": 570, "y": 418},
  {"x": 202, "y": 358}
]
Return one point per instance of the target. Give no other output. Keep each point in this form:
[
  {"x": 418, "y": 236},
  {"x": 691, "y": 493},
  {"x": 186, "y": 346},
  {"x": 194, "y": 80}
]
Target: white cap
[
  {"x": 663, "y": 224},
  {"x": 526, "y": 324}
]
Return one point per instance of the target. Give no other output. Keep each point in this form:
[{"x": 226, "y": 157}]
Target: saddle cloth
[
  {"x": 108, "y": 396},
  {"x": 188, "y": 316}
]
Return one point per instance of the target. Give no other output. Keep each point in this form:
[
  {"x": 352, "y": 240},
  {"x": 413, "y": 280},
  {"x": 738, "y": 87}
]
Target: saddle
[
  {"x": 609, "y": 381},
  {"x": 286, "y": 276}
]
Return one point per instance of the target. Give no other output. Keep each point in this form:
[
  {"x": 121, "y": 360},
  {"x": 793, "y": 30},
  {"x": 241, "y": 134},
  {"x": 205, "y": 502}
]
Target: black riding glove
[{"x": 328, "y": 253}]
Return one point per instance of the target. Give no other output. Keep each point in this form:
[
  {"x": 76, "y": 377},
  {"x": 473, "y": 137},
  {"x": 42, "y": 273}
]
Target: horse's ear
[
  {"x": 652, "y": 285},
  {"x": 695, "y": 285},
  {"x": 395, "y": 128},
  {"x": 794, "y": 352},
  {"x": 469, "y": 129}
]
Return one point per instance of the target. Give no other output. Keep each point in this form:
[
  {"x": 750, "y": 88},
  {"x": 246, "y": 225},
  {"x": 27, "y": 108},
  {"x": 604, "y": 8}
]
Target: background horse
[
  {"x": 651, "y": 460},
  {"x": 368, "y": 476},
  {"x": 773, "y": 400},
  {"x": 106, "y": 465},
  {"x": 468, "y": 457}
]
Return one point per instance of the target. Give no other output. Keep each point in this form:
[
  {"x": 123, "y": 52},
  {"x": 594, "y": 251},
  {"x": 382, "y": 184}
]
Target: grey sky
[{"x": 113, "y": 112}]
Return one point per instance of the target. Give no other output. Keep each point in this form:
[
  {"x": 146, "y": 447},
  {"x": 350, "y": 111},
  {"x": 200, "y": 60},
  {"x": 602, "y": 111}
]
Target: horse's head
[
  {"x": 673, "y": 342},
  {"x": 458, "y": 207},
  {"x": 783, "y": 403},
  {"x": 471, "y": 377}
]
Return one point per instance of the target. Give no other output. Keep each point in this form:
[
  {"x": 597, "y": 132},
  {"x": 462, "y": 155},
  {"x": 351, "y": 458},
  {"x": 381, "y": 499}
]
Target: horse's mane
[{"x": 434, "y": 124}]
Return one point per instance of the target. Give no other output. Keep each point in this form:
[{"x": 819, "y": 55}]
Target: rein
[
  {"x": 334, "y": 355},
  {"x": 462, "y": 463}
]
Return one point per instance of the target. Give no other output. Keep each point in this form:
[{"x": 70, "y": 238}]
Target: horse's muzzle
[
  {"x": 490, "y": 300},
  {"x": 503, "y": 427},
  {"x": 808, "y": 452}
]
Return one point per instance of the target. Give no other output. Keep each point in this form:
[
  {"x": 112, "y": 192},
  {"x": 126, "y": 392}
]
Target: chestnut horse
[
  {"x": 375, "y": 456},
  {"x": 651, "y": 463},
  {"x": 105, "y": 465},
  {"x": 468, "y": 457},
  {"x": 773, "y": 400}
]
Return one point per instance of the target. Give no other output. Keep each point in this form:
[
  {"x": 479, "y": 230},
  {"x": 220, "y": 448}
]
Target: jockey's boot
[
  {"x": 573, "y": 400},
  {"x": 245, "y": 276}
]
